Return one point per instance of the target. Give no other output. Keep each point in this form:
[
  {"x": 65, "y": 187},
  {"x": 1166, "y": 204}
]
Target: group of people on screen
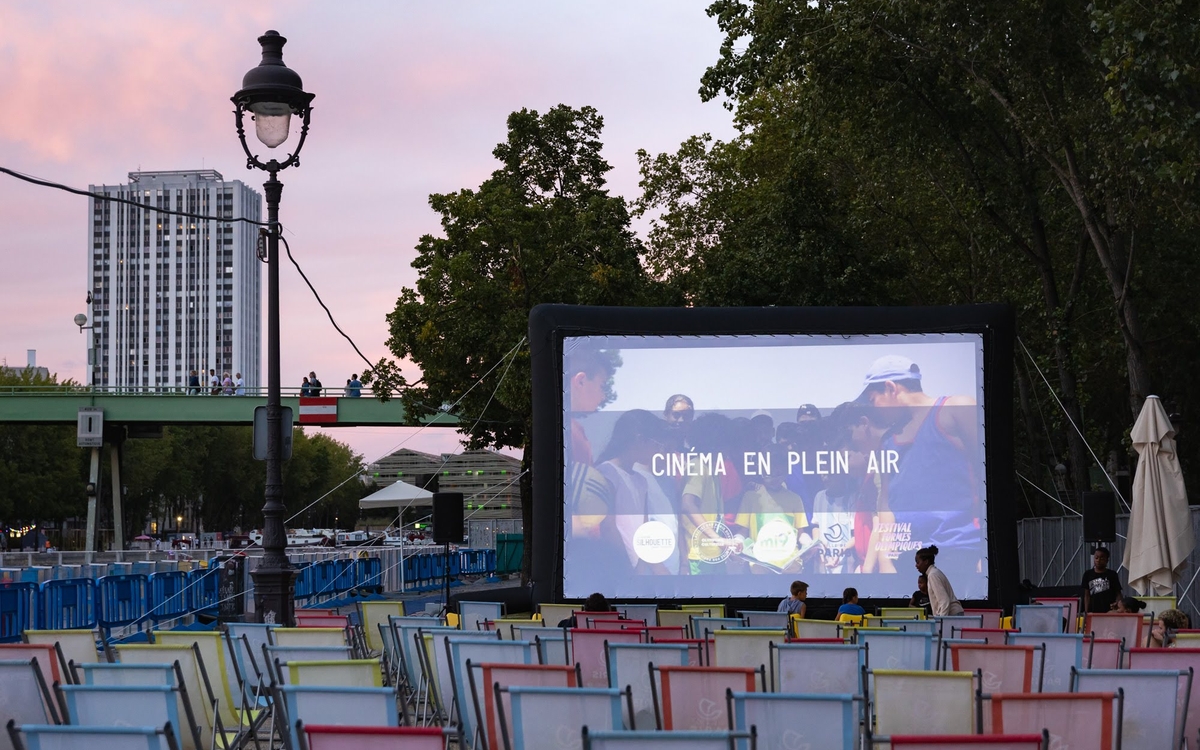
[{"x": 849, "y": 489}]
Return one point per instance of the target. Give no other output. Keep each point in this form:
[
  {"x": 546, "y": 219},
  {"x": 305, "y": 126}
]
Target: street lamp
[{"x": 272, "y": 93}]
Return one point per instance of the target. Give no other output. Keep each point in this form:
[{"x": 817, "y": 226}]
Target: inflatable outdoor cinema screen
[{"x": 694, "y": 453}]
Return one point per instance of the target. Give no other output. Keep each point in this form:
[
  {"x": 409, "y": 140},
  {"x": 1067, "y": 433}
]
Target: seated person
[
  {"x": 1128, "y": 605},
  {"x": 1162, "y": 632},
  {"x": 794, "y": 604},
  {"x": 594, "y": 603},
  {"x": 850, "y": 604}
]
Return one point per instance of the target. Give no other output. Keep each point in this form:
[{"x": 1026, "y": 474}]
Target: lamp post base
[{"x": 274, "y": 596}]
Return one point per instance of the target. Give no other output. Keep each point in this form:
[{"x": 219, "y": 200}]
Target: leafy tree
[{"x": 542, "y": 228}]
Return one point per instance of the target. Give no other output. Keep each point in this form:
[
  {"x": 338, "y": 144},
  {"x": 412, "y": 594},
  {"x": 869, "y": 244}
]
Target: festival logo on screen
[
  {"x": 775, "y": 543},
  {"x": 654, "y": 542},
  {"x": 713, "y": 542}
]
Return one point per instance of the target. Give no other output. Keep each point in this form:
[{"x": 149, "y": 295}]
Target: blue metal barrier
[
  {"x": 369, "y": 574},
  {"x": 489, "y": 565},
  {"x": 324, "y": 575},
  {"x": 18, "y": 609},
  {"x": 410, "y": 571},
  {"x": 68, "y": 604},
  {"x": 168, "y": 595},
  {"x": 304, "y": 586},
  {"x": 343, "y": 579},
  {"x": 121, "y": 600},
  {"x": 205, "y": 584}
]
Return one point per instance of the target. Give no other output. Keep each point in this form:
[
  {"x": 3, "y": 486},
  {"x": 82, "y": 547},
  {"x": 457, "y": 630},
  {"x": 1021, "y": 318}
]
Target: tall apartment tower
[{"x": 169, "y": 294}]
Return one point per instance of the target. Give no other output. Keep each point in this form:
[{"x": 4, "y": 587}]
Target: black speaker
[
  {"x": 1099, "y": 517},
  {"x": 447, "y": 518}
]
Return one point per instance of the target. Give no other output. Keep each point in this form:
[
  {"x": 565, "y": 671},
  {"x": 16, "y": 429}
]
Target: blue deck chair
[
  {"x": 541, "y": 718},
  {"x": 629, "y": 667},
  {"x": 1040, "y": 618},
  {"x": 675, "y": 740},
  {"x": 1154, "y": 711},
  {"x": 816, "y": 668},
  {"x": 125, "y": 705},
  {"x": 553, "y": 646},
  {"x": 42, "y": 737},
  {"x": 330, "y": 706},
  {"x": 460, "y": 653},
  {"x": 24, "y": 696},
  {"x": 1062, "y": 653},
  {"x": 788, "y": 721}
]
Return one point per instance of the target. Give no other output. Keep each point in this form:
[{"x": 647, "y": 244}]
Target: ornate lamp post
[{"x": 272, "y": 93}]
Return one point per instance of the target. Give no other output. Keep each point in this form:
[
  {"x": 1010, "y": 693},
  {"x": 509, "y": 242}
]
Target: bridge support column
[
  {"x": 114, "y": 454},
  {"x": 89, "y": 543}
]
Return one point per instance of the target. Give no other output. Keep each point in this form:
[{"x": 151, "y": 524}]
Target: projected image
[{"x": 730, "y": 466}]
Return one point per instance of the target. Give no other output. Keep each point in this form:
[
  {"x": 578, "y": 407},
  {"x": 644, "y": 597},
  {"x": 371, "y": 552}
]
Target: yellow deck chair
[
  {"x": 220, "y": 670},
  {"x": 848, "y": 619},
  {"x": 714, "y": 610},
  {"x": 553, "y": 614},
  {"x": 307, "y": 637},
  {"x": 902, "y": 613},
  {"x": 922, "y": 703},
  {"x": 78, "y": 646},
  {"x": 340, "y": 673},
  {"x": 373, "y": 615},
  {"x": 199, "y": 697},
  {"x": 675, "y": 618},
  {"x": 803, "y": 628},
  {"x": 505, "y": 624},
  {"x": 745, "y": 648}
]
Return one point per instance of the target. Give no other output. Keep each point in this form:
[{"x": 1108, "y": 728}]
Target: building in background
[
  {"x": 169, "y": 294},
  {"x": 489, "y": 481}
]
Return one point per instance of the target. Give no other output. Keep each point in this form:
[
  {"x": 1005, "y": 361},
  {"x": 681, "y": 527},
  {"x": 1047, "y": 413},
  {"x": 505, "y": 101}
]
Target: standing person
[
  {"x": 239, "y": 385},
  {"x": 346, "y": 390},
  {"x": 305, "y": 389},
  {"x": 354, "y": 387},
  {"x": 226, "y": 385},
  {"x": 193, "y": 383},
  {"x": 1101, "y": 586},
  {"x": 214, "y": 383},
  {"x": 942, "y": 600},
  {"x": 920, "y": 597},
  {"x": 314, "y": 383},
  {"x": 794, "y": 604}
]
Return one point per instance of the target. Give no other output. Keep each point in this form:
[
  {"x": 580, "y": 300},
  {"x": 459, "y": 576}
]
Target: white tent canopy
[{"x": 397, "y": 495}]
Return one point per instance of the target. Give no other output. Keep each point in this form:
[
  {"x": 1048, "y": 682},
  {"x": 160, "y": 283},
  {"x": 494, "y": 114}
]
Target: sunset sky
[{"x": 411, "y": 98}]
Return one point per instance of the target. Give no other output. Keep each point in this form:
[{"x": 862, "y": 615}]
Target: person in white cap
[{"x": 938, "y": 487}]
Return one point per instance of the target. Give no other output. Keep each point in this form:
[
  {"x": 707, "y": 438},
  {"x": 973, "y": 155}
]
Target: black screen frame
[{"x": 549, "y": 324}]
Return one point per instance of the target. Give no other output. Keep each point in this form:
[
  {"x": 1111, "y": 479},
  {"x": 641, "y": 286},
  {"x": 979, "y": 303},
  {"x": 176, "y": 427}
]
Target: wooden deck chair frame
[
  {"x": 53, "y": 708},
  {"x": 669, "y": 739},
  {"x": 503, "y": 720},
  {"x": 168, "y": 735},
  {"x": 656, "y": 698},
  {"x": 482, "y": 719}
]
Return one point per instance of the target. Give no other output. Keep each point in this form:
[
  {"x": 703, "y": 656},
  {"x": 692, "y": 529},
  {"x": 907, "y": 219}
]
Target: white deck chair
[
  {"x": 34, "y": 737},
  {"x": 25, "y": 697},
  {"x": 553, "y": 646},
  {"x": 74, "y": 646},
  {"x": 629, "y": 667},
  {"x": 889, "y": 649},
  {"x": 1155, "y": 703},
  {"x": 745, "y": 648},
  {"x": 309, "y": 637},
  {"x": 1060, "y": 653},
  {"x": 920, "y": 703},
  {"x": 472, "y": 614},
  {"x": 1173, "y": 659},
  {"x": 548, "y": 718},
  {"x": 484, "y": 677},
  {"x": 786, "y": 722},
  {"x": 125, "y": 706},
  {"x": 777, "y": 620},
  {"x": 817, "y": 668},
  {"x": 359, "y": 707},
  {"x": 460, "y": 652},
  {"x": 1040, "y": 618},
  {"x": 647, "y": 613},
  {"x": 693, "y": 698}
]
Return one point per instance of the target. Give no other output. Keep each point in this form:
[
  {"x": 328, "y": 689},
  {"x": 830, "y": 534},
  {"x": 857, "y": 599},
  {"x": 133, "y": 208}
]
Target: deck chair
[
  {"x": 1040, "y": 618},
  {"x": 542, "y": 718},
  {"x": 43, "y": 737},
  {"x": 403, "y": 630},
  {"x": 816, "y": 668},
  {"x": 527, "y": 632},
  {"x": 919, "y": 703},
  {"x": 1174, "y": 659},
  {"x": 1060, "y": 653},
  {"x": 196, "y": 691},
  {"x": 25, "y": 697},
  {"x": 335, "y": 673},
  {"x": 331, "y": 706},
  {"x": 128, "y": 674},
  {"x": 628, "y": 666},
  {"x": 608, "y": 621},
  {"x": 702, "y": 625},
  {"x": 1073, "y": 719},
  {"x": 247, "y": 640},
  {"x": 815, "y": 628},
  {"x": 1114, "y": 625},
  {"x": 553, "y": 646},
  {"x": 710, "y": 609},
  {"x": 886, "y": 649},
  {"x": 695, "y": 648},
  {"x": 471, "y": 614},
  {"x": 505, "y": 626},
  {"x": 73, "y": 646},
  {"x": 675, "y": 618},
  {"x": 46, "y": 655},
  {"x": 913, "y": 626},
  {"x": 679, "y": 740},
  {"x": 305, "y": 637},
  {"x": 1002, "y": 669},
  {"x": 222, "y": 676},
  {"x": 974, "y": 742},
  {"x": 483, "y": 678},
  {"x": 552, "y": 614},
  {"x": 462, "y": 652},
  {"x": 993, "y": 636},
  {"x": 277, "y": 656},
  {"x": 745, "y": 648},
  {"x": 899, "y": 613},
  {"x": 647, "y": 613},
  {"x": 991, "y": 617},
  {"x": 943, "y": 659},
  {"x": 947, "y": 623},
  {"x": 125, "y": 706},
  {"x": 1072, "y": 605},
  {"x": 656, "y": 632},
  {"x": 1151, "y": 698},
  {"x": 373, "y": 615},
  {"x": 786, "y": 722},
  {"x": 305, "y": 620},
  {"x": 318, "y": 737},
  {"x": 435, "y": 666},
  {"x": 587, "y": 650},
  {"x": 694, "y": 697},
  {"x": 1104, "y": 653}
]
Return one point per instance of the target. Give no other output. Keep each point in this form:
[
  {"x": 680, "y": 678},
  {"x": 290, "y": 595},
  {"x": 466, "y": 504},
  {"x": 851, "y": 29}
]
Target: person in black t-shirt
[
  {"x": 920, "y": 597},
  {"x": 1101, "y": 586}
]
